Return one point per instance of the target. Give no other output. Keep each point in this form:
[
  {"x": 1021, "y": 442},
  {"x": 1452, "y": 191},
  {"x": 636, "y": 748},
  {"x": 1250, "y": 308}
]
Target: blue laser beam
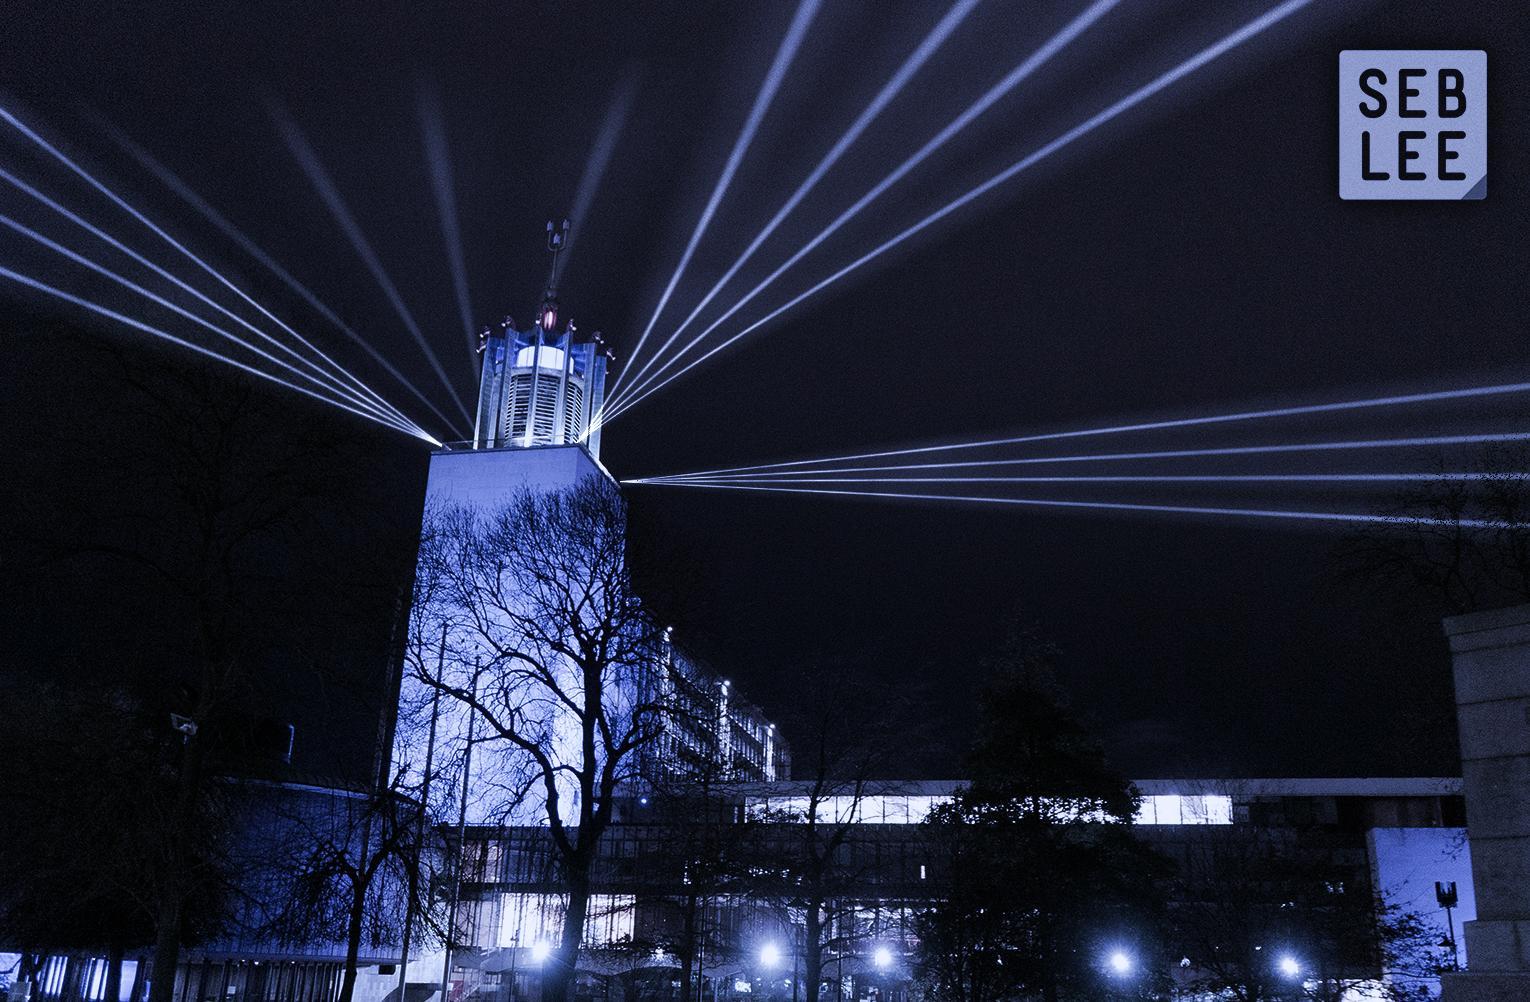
[
  {"x": 1237, "y": 450},
  {"x": 916, "y": 60},
  {"x": 121, "y": 247},
  {"x": 1434, "y": 396},
  {"x": 785, "y": 54},
  {"x": 1176, "y": 509},
  {"x": 308, "y": 160},
  {"x": 97, "y": 308},
  {"x": 611, "y": 127},
  {"x": 99, "y": 269},
  {"x": 1136, "y": 97},
  {"x": 438, "y": 158},
  {"x": 188, "y": 195},
  {"x": 1250, "y": 478},
  {"x": 1040, "y": 57},
  {"x": 158, "y": 231}
]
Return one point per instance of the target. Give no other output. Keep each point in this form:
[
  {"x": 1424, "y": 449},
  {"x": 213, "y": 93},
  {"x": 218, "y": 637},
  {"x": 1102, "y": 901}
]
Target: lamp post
[
  {"x": 451, "y": 915},
  {"x": 1445, "y": 894}
]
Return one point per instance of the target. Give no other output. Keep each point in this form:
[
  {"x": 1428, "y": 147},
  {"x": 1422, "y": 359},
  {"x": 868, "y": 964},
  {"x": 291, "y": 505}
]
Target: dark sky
[{"x": 1191, "y": 257}]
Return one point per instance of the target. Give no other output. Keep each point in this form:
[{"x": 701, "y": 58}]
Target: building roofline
[{"x": 1340, "y": 786}]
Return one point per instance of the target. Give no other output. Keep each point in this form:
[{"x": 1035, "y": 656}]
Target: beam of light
[
  {"x": 600, "y": 158},
  {"x": 916, "y": 60},
  {"x": 438, "y": 158},
  {"x": 309, "y": 161},
  {"x": 1236, "y": 450},
  {"x": 1136, "y": 97},
  {"x": 139, "y": 325},
  {"x": 1009, "y": 82},
  {"x": 1433, "y": 396},
  {"x": 228, "y": 229},
  {"x": 1250, "y": 478},
  {"x": 158, "y": 231},
  {"x": 382, "y": 415},
  {"x": 100, "y": 234},
  {"x": 1176, "y": 509},
  {"x": 787, "y": 52}
]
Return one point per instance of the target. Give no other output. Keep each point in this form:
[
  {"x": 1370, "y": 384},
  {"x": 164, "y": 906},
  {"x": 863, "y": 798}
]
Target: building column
[{"x": 1491, "y": 655}]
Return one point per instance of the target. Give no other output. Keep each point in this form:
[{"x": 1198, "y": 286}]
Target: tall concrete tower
[{"x": 538, "y": 391}]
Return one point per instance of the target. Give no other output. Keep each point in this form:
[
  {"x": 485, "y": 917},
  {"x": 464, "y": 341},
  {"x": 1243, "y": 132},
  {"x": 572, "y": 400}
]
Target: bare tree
[
  {"x": 696, "y": 855},
  {"x": 1286, "y": 916},
  {"x": 340, "y": 867},
  {"x": 813, "y": 864},
  {"x": 551, "y": 653},
  {"x": 1465, "y": 566}
]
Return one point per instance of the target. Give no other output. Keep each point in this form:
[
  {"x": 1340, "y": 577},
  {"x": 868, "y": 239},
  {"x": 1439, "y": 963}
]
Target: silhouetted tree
[
  {"x": 1039, "y": 876},
  {"x": 1281, "y": 916},
  {"x": 812, "y": 858},
  {"x": 1464, "y": 566},
  {"x": 207, "y": 532},
  {"x": 340, "y": 866},
  {"x": 90, "y": 786}
]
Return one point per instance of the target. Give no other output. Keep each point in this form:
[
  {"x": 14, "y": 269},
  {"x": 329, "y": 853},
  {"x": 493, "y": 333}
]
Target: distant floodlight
[
  {"x": 540, "y": 952},
  {"x": 770, "y": 955},
  {"x": 1121, "y": 962},
  {"x": 1289, "y": 966},
  {"x": 882, "y": 957}
]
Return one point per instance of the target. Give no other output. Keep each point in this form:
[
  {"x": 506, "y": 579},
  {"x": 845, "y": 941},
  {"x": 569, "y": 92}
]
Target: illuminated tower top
[{"x": 540, "y": 386}]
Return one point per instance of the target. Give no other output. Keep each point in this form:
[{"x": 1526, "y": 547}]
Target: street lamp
[
  {"x": 1121, "y": 963},
  {"x": 540, "y": 952},
  {"x": 1289, "y": 966},
  {"x": 770, "y": 955},
  {"x": 882, "y": 957}
]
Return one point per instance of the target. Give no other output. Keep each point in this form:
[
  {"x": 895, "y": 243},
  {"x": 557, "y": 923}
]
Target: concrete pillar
[{"x": 1491, "y": 653}]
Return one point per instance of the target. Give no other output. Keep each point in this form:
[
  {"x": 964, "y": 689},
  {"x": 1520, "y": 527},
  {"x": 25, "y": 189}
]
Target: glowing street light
[
  {"x": 770, "y": 955},
  {"x": 1121, "y": 963},
  {"x": 540, "y": 952},
  {"x": 883, "y": 958},
  {"x": 1289, "y": 966}
]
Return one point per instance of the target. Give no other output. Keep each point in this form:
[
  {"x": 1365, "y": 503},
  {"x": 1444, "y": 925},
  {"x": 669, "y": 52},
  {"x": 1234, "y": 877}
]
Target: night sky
[{"x": 1191, "y": 257}]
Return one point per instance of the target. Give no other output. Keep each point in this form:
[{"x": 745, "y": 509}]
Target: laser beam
[
  {"x": 1009, "y": 82},
  {"x": 806, "y": 9},
  {"x": 112, "y": 241},
  {"x": 438, "y": 158},
  {"x": 916, "y": 60},
  {"x": 611, "y": 127},
  {"x": 1176, "y": 509},
  {"x": 1237, "y": 450},
  {"x": 1250, "y": 478},
  {"x": 188, "y": 195},
  {"x": 90, "y": 179},
  {"x": 309, "y": 161},
  {"x": 97, "y": 308},
  {"x": 99, "y": 269},
  {"x": 1136, "y": 97},
  {"x": 1434, "y": 396}
]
